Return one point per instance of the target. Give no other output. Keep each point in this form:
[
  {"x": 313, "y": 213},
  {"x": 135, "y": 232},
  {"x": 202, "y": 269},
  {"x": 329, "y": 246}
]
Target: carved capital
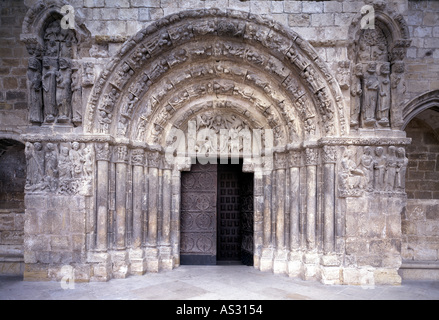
[
  {"x": 137, "y": 157},
  {"x": 295, "y": 159},
  {"x": 329, "y": 154},
  {"x": 103, "y": 151},
  {"x": 153, "y": 159},
  {"x": 120, "y": 154},
  {"x": 311, "y": 156},
  {"x": 280, "y": 161}
]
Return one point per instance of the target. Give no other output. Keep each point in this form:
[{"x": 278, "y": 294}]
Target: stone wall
[
  {"x": 87, "y": 217},
  {"x": 13, "y": 66},
  {"x": 423, "y": 55},
  {"x": 420, "y": 224}
]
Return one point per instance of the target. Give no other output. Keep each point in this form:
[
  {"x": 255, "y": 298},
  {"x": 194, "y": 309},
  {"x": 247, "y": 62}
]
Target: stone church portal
[{"x": 268, "y": 133}]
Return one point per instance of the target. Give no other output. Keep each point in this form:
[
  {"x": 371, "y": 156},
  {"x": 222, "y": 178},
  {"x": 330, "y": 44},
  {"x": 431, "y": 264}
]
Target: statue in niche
[
  {"x": 76, "y": 104},
  {"x": 367, "y": 167},
  {"x": 35, "y": 165},
  {"x": 50, "y": 67},
  {"x": 375, "y": 93},
  {"x": 64, "y": 90},
  {"x": 51, "y": 167},
  {"x": 379, "y": 166},
  {"x": 391, "y": 169},
  {"x": 35, "y": 93},
  {"x": 384, "y": 96},
  {"x": 401, "y": 169},
  {"x": 371, "y": 86},
  {"x": 356, "y": 94}
]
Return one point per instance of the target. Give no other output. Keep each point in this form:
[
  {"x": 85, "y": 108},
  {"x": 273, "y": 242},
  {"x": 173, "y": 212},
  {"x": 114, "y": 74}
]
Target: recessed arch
[
  {"x": 419, "y": 104},
  {"x": 156, "y": 60}
]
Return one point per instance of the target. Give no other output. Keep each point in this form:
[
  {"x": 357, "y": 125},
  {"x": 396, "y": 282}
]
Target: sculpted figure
[
  {"x": 65, "y": 164},
  {"x": 76, "y": 160},
  {"x": 370, "y": 95},
  {"x": 35, "y": 93},
  {"x": 356, "y": 94},
  {"x": 49, "y": 89},
  {"x": 88, "y": 162},
  {"x": 64, "y": 91},
  {"x": 401, "y": 169},
  {"x": 379, "y": 166},
  {"x": 51, "y": 167},
  {"x": 391, "y": 169},
  {"x": 367, "y": 167},
  {"x": 384, "y": 96},
  {"x": 35, "y": 165}
]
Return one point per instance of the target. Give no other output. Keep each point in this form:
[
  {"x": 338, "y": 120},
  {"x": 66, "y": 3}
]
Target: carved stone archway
[
  {"x": 317, "y": 207},
  {"x": 223, "y": 65}
]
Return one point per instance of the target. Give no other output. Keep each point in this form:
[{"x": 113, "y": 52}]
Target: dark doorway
[{"x": 216, "y": 215}]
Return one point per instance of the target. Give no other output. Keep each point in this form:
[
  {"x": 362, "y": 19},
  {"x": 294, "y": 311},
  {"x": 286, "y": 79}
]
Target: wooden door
[
  {"x": 229, "y": 216},
  {"x": 198, "y": 215}
]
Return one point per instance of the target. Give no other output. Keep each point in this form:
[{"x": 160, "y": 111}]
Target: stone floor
[{"x": 213, "y": 283}]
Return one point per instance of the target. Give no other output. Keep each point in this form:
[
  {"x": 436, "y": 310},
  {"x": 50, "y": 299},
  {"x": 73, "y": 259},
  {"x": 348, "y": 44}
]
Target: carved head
[
  {"x": 367, "y": 151},
  {"x": 75, "y": 146},
  {"x": 38, "y": 146},
  {"x": 401, "y": 152},
  {"x": 392, "y": 150},
  {"x": 379, "y": 151},
  {"x": 385, "y": 68}
]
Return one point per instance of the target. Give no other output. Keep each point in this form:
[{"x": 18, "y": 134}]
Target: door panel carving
[{"x": 198, "y": 215}]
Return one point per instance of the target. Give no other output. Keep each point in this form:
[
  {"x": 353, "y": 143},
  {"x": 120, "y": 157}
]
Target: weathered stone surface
[{"x": 106, "y": 111}]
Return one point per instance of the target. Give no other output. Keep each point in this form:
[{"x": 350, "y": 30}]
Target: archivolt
[{"x": 208, "y": 57}]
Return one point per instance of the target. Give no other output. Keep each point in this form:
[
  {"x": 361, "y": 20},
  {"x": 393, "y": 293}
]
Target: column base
[
  {"x": 266, "y": 261},
  {"x": 280, "y": 263}
]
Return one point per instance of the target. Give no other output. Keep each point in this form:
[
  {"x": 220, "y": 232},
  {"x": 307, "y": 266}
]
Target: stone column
[
  {"x": 103, "y": 158},
  {"x": 266, "y": 263},
  {"x": 295, "y": 259},
  {"x": 166, "y": 261},
  {"x": 329, "y": 158},
  {"x": 137, "y": 257},
  {"x": 120, "y": 256},
  {"x": 100, "y": 259},
  {"x": 153, "y": 193},
  {"x": 175, "y": 216},
  {"x": 311, "y": 256},
  {"x": 330, "y": 271},
  {"x": 120, "y": 156},
  {"x": 280, "y": 261}
]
